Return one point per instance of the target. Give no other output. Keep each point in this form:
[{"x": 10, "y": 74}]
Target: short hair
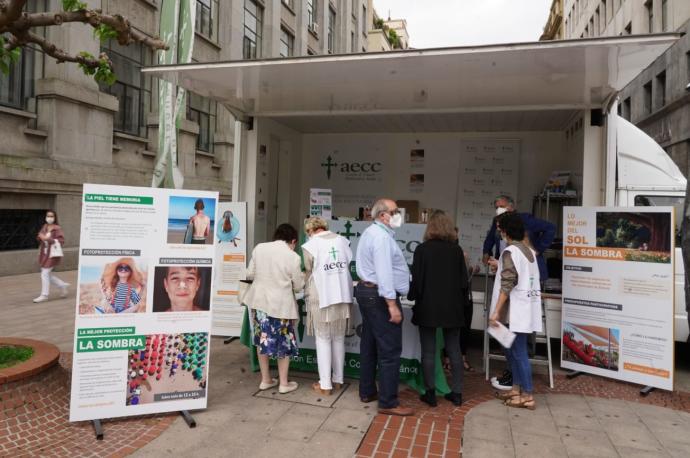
[
  {"x": 193, "y": 269},
  {"x": 511, "y": 223},
  {"x": 199, "y": 204},
  {"x": 285, "y": 232},
  {"x": 315, "y": 223},
  {"x": 505, "y": 197},
  {"x": 379, "y": 207},
  {"x": 440, "y": 227}
]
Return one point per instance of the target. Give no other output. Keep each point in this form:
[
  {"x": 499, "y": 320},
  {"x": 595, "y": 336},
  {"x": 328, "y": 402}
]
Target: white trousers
[
  {"x": 330, "y": 356},
  {"x": 47, "y": 278}
]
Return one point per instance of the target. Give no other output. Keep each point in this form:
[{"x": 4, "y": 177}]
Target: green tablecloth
[{"x": 410, "y": 373}]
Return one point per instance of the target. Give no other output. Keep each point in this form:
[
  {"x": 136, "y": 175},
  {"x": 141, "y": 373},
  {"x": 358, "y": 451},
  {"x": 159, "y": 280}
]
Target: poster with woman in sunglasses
[{"x": 122, "y": 289}]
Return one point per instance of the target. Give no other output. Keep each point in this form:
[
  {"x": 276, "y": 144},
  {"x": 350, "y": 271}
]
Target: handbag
[{"x": 56, "y": 250}]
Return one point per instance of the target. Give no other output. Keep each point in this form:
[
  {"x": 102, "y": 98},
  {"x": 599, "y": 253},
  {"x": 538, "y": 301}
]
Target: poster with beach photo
[
  {"x": 617, "y": 315},
  {"x": 143, "y": 308}
]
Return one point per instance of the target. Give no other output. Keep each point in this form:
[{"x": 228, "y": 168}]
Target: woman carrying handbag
[{"x": 50, "y": 252}]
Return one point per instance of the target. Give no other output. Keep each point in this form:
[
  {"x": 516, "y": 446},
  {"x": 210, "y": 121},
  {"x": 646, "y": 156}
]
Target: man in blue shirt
[
  {"x": 384, "y": 277},
  {"x": 539, "y": 232}
]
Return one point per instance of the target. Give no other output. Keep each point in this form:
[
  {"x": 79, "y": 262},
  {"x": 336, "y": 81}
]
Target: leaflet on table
[
  {"x": 617, "y": 316},
  {"x": 231, "y": 264},
  {"x": 143, "y": 311}
]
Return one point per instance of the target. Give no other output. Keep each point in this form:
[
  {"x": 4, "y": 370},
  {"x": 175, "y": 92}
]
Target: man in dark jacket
[{"x": 540, "y": 233}]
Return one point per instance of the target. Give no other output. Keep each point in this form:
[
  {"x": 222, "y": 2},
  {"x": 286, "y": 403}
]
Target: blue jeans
[
  {"x": 518, "y": 359},
  {"x": 380, "y": 343}
]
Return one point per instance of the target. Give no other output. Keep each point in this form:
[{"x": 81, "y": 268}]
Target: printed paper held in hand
[{"x": 504, "y": 335}]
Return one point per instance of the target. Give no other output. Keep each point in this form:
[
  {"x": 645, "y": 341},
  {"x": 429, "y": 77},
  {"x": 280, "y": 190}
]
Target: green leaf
[
  {"x": 4, "y": 68},
  {"x": 15, "y": 54},
  {"x": 104, "y": 32},
  {"x": 73, "y": 5}
]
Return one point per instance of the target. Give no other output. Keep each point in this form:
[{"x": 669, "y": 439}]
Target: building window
[
  {"x": 664, "y": 15},
  {"x": 310, "y": 52},
  {"x": 206, "y": 14},
  {"x": 365, "y": 29},
  {"x": 287, "y": 43},
  {"x": 660, "y": 90},
  {"x": 289, "y": 3},
  {"x": 202, "y": 111},
  {"x": 628, "y": 29},
  {"x": 331, "y": 31},
  {"x": 18, "y": 228},
  {"x": 312, "y": 14},
  {"x": 253, "y": 22},
  {"x": 650, "y": 16},
  {"x": 647, "y": 98},
  {"x": 17, "y": 87},
  {"x": 132, "y": 88},
  {"x": 626, "y": 113}
]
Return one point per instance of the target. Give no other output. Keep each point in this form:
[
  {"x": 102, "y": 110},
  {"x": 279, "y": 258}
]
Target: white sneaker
[
  {"x": 41, "y": 298},
  {"x": 291, "y": 386},
  {"x": 64, "y": 291}
]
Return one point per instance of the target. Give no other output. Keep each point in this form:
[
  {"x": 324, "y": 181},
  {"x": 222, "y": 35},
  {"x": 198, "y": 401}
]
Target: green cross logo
[
  {"x": 328, "y": 164},
  {"x": 347, "y": 234},
  {"x": 333, "y": 253}
]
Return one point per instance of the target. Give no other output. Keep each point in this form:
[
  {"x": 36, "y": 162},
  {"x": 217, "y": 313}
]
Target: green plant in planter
[{"x": 11, "y": 355}]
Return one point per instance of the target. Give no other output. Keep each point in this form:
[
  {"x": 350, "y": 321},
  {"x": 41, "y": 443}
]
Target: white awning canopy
[{"x": 557, "y": 76}]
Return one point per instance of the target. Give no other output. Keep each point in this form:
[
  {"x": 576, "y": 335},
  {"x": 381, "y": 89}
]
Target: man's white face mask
[
  {"x": 396, "y": 221},
  {"x": 500, "y": 211}
]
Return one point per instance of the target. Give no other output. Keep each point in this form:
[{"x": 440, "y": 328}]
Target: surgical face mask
[
  {"x": 500, "y": 211},
  {"x": 396, "y": 221},
  {"x": 50, "y": 219}
]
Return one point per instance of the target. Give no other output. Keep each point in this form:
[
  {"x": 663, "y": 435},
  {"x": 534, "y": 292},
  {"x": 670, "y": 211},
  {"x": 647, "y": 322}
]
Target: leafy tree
[{"x": 16, "y": 32}]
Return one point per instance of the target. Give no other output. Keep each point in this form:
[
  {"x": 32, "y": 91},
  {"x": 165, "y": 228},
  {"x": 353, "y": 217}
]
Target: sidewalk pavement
[{"x": 574, "y": 419}]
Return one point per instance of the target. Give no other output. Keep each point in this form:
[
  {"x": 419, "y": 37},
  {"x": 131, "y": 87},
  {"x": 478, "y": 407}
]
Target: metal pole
[{"x": 237, "y": 159}]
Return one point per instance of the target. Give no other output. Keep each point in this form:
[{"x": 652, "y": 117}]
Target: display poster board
[
  {"x": 488, "y": 168},
  {"x": 320, "y": 203},
  {"x": 231, "y": 266},
  {"x": 143, "y": 311},
  {"x": 617, "y": 316}
]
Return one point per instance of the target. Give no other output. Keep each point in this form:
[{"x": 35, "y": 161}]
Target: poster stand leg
[
  {"x": 191, "y": 422},
  {"x": 230, "y": 339},
  {"x": 573, "y": 374},
  {"x": 98, "y": 429},
  {"x": 646, "y": 390}
]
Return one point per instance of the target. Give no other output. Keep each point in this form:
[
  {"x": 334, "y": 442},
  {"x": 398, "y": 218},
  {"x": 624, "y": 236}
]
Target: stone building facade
[
  {"x": 657, "y": 99},
  {"x": 60, "y": 129}
]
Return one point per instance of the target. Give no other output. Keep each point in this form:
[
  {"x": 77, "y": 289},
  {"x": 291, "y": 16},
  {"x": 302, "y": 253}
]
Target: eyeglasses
[
  {"x": 124, "y": 268},
  {"x": 394, "y": 212}
]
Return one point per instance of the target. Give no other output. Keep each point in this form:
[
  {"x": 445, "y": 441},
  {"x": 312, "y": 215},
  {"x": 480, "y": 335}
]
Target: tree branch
[
  {"x": 126, "y": 34},
  {"x": 58, "y": 54},
  {"x": 10, "y": 11}
]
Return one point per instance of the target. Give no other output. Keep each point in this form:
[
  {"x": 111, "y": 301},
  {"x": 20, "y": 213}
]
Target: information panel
[
  {"x": 143, "y": 311},
  {"x": 231, "y": 266},
  {"x": 617, "y": 318}
]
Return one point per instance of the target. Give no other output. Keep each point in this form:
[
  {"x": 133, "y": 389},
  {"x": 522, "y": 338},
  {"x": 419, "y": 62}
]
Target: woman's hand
[{"x": 493, "y": 319}]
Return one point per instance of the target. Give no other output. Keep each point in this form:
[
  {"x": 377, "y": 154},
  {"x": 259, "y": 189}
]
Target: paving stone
[
  {"x": 533, "y": 445},
  {"x": 636, "y": 436},
  {"x": 484, "y": 448},
  {"x": 540, "y": 424},
  {"x": 630, "y": 452},
  {"x": 348, "y": 421},
  {"x": 488, "y": 428},
  {"x": 304, "y": 394},
  {"x": 493, "y": 408},
  {"x": 329, "y": 443},
  {"x": 300, "y": 422},
  {"x": 587, "y": 443}
]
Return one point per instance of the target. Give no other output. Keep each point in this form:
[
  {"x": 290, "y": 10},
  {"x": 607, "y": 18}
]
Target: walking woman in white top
[
  {"x": 328, "y": 295},
  {"x": 517, "y": 289}
]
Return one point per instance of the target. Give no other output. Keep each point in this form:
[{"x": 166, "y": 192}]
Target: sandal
[
  {"x": 521, "y": 403},
  {"x": 506, "y": 395},
  {"x": 468, "y": 367}
]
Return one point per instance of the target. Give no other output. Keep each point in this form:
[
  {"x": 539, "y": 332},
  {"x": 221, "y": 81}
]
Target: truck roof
[{"x": 520, "y": 86}]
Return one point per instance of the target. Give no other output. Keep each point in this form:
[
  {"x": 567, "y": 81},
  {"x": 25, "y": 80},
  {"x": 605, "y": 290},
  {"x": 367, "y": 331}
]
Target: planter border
[{"x": 45, "y": 356}]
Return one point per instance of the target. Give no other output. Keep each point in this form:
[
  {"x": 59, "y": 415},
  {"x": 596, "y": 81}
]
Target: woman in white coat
[
  {"x": 328, "y": 296},
  {"x": 276, "y": 274},
  {"x": 517, "y": 292}
]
